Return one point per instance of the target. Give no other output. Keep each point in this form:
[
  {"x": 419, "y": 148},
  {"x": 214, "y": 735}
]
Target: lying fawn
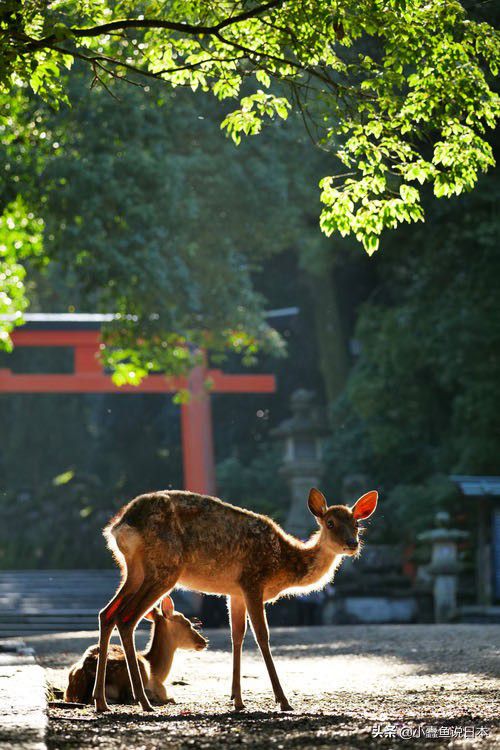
[
  {"x": 170, "y": 631},
  {"x": 172, "y": 537}
]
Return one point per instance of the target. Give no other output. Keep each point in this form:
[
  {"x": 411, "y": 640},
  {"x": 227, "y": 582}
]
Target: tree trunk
[{"x": 332, "y": 349}]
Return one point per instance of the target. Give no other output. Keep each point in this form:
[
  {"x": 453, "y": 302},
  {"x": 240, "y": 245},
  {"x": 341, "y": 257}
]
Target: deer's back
[{"x": 212, "y": 541}]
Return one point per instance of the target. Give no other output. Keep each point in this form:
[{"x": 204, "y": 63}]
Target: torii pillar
[{"x": 197, "y": 437}]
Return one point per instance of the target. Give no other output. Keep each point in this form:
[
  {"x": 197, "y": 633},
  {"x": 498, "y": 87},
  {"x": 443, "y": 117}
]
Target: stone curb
[{"x": 23, "y": 715}]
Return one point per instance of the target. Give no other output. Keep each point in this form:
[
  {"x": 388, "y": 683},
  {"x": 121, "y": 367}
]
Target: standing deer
[
  {"x": 201, "y": 543},
  {"x": 170, "y": 630}
]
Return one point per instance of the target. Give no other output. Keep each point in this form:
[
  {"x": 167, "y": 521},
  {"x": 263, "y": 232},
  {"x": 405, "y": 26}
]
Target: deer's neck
[
  {"x": 160, "y": 653},
  {"x": 310, "y": 565}
]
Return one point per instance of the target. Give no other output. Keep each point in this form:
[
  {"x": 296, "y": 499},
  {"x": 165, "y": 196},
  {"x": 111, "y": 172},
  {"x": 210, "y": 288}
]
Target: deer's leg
[
  {"x": 238, "y": 618},
  {"x": 257, "y": 614},
  {"x": 136, "y": 608},
  {"x": 98, "y": 694},
  {"x": 107, "y": 622}
]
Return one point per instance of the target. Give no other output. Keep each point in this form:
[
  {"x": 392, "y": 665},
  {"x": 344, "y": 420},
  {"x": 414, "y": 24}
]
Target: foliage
[
  {"x": 422, "y": 399},
  {"x": 437, "y": 346},
  {"x": 59, "y": 527},
  {"x": 20, "y": 238},
  {"x": 347, "y": 449},
  {"x": 398, "y": 91},
  {"x": 152, "y": 222},
  {"x": 411, "y": 508},
  {"x": 71, "y": 461},
  {"x": 256, "y": 484}
]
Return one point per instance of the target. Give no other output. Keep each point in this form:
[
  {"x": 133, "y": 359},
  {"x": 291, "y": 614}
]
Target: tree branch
[
  {"x": 158, "y": 23},
  {"x": 251, "y": 53},
  {"x": 133, "y": 68}
]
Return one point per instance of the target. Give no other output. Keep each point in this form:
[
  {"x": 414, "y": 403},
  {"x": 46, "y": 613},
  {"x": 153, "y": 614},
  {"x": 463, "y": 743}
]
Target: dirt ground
[{"x": 351, "y": 687}]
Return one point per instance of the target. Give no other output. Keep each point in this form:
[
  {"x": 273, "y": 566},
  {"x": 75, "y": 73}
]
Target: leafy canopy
[
  {"x": 421, "y": 401},
  {"x": 149, "y": 213},
  {"x": 396, "y": 89}
]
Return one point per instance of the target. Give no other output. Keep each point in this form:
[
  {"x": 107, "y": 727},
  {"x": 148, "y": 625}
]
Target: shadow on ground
[
  {"x": 351, "y": 687},
  {"x": 256, "y": 729}
]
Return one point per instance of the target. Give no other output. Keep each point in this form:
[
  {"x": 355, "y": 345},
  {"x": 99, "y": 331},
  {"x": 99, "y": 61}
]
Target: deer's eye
[{"x": 330, "y": 524}]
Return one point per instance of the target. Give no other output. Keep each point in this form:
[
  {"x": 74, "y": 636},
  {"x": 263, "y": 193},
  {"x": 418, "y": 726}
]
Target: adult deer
[{"x": 201, "y": 543}]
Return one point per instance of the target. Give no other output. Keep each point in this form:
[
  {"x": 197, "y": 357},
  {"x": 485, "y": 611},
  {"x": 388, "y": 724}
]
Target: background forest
[{"x": 402, "y": 349}]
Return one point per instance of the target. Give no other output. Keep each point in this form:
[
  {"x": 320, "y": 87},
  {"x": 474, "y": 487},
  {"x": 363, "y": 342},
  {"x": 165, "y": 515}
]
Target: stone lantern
[
  {"x": 302, "y": 466},
  {"x": 444, "y": 566}
]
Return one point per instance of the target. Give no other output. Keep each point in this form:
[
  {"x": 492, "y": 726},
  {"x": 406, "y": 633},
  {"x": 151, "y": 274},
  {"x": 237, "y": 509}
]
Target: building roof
[
  {"x": 477, "y": 486},
  {"x": 51, "y": 321},
  {"x": 63, "y": 321}
]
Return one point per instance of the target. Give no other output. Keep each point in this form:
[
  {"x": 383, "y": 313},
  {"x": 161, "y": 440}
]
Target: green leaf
[{"x": 63, "y": 478}]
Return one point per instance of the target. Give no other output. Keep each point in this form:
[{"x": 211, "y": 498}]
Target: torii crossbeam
[{"x": 82, "y": 334}]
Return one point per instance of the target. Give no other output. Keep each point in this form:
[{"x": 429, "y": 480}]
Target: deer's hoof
[
  {"x": 285, "y": 706},
  {"x": 146, "y": 705},
  {"x": 101, "y": 706},
  {"x": 239, "y": 705}
]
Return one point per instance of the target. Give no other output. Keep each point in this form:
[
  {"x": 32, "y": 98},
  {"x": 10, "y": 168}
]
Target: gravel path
[{"x": 351, "y": 687}]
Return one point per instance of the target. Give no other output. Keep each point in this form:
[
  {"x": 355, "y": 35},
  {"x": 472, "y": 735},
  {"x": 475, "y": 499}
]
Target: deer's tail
[
  {"x": 125, "y": 532},
  {"x": 123, "y": 540}
]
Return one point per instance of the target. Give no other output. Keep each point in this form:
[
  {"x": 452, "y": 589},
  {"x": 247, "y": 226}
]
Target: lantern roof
[{"x": 307, "y": 419}]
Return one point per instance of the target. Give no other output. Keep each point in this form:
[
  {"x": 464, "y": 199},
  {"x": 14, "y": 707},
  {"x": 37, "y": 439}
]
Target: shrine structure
[{"x": 81, "y": 333}]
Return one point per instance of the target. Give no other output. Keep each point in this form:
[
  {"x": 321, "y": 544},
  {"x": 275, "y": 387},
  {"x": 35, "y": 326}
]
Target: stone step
[{"x": 44, "y": 601}]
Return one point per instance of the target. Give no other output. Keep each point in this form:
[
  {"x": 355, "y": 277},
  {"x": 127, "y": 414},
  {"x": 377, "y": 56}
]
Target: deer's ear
[
  {"x": 317, "y": 503},
  {"x": 150, "y": 615},
  {"x": 365, "y": 506},
  {"x": 167, "y": 606}
]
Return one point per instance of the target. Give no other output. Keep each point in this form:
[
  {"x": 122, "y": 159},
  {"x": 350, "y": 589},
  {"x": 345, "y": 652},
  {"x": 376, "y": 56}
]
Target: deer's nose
[{"x": 352, "y": 543}]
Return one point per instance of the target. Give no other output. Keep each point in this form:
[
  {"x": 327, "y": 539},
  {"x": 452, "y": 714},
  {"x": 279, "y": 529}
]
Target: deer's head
[
  {"x": 169, "y": 623},
  {"x": 340, "y": 524}
]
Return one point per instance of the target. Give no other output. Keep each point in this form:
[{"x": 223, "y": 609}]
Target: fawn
[
  {"x": 201, "y": 543},
  {"x": 170, "y": 631}
]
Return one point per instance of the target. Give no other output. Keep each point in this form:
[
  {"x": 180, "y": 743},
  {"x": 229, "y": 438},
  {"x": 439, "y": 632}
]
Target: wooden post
[
  {"x": 197, "y": 439},
  {"x": 85, "y": 359}
]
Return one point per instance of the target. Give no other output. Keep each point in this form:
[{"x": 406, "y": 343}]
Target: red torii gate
[{"x": 81, "y": 333}]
